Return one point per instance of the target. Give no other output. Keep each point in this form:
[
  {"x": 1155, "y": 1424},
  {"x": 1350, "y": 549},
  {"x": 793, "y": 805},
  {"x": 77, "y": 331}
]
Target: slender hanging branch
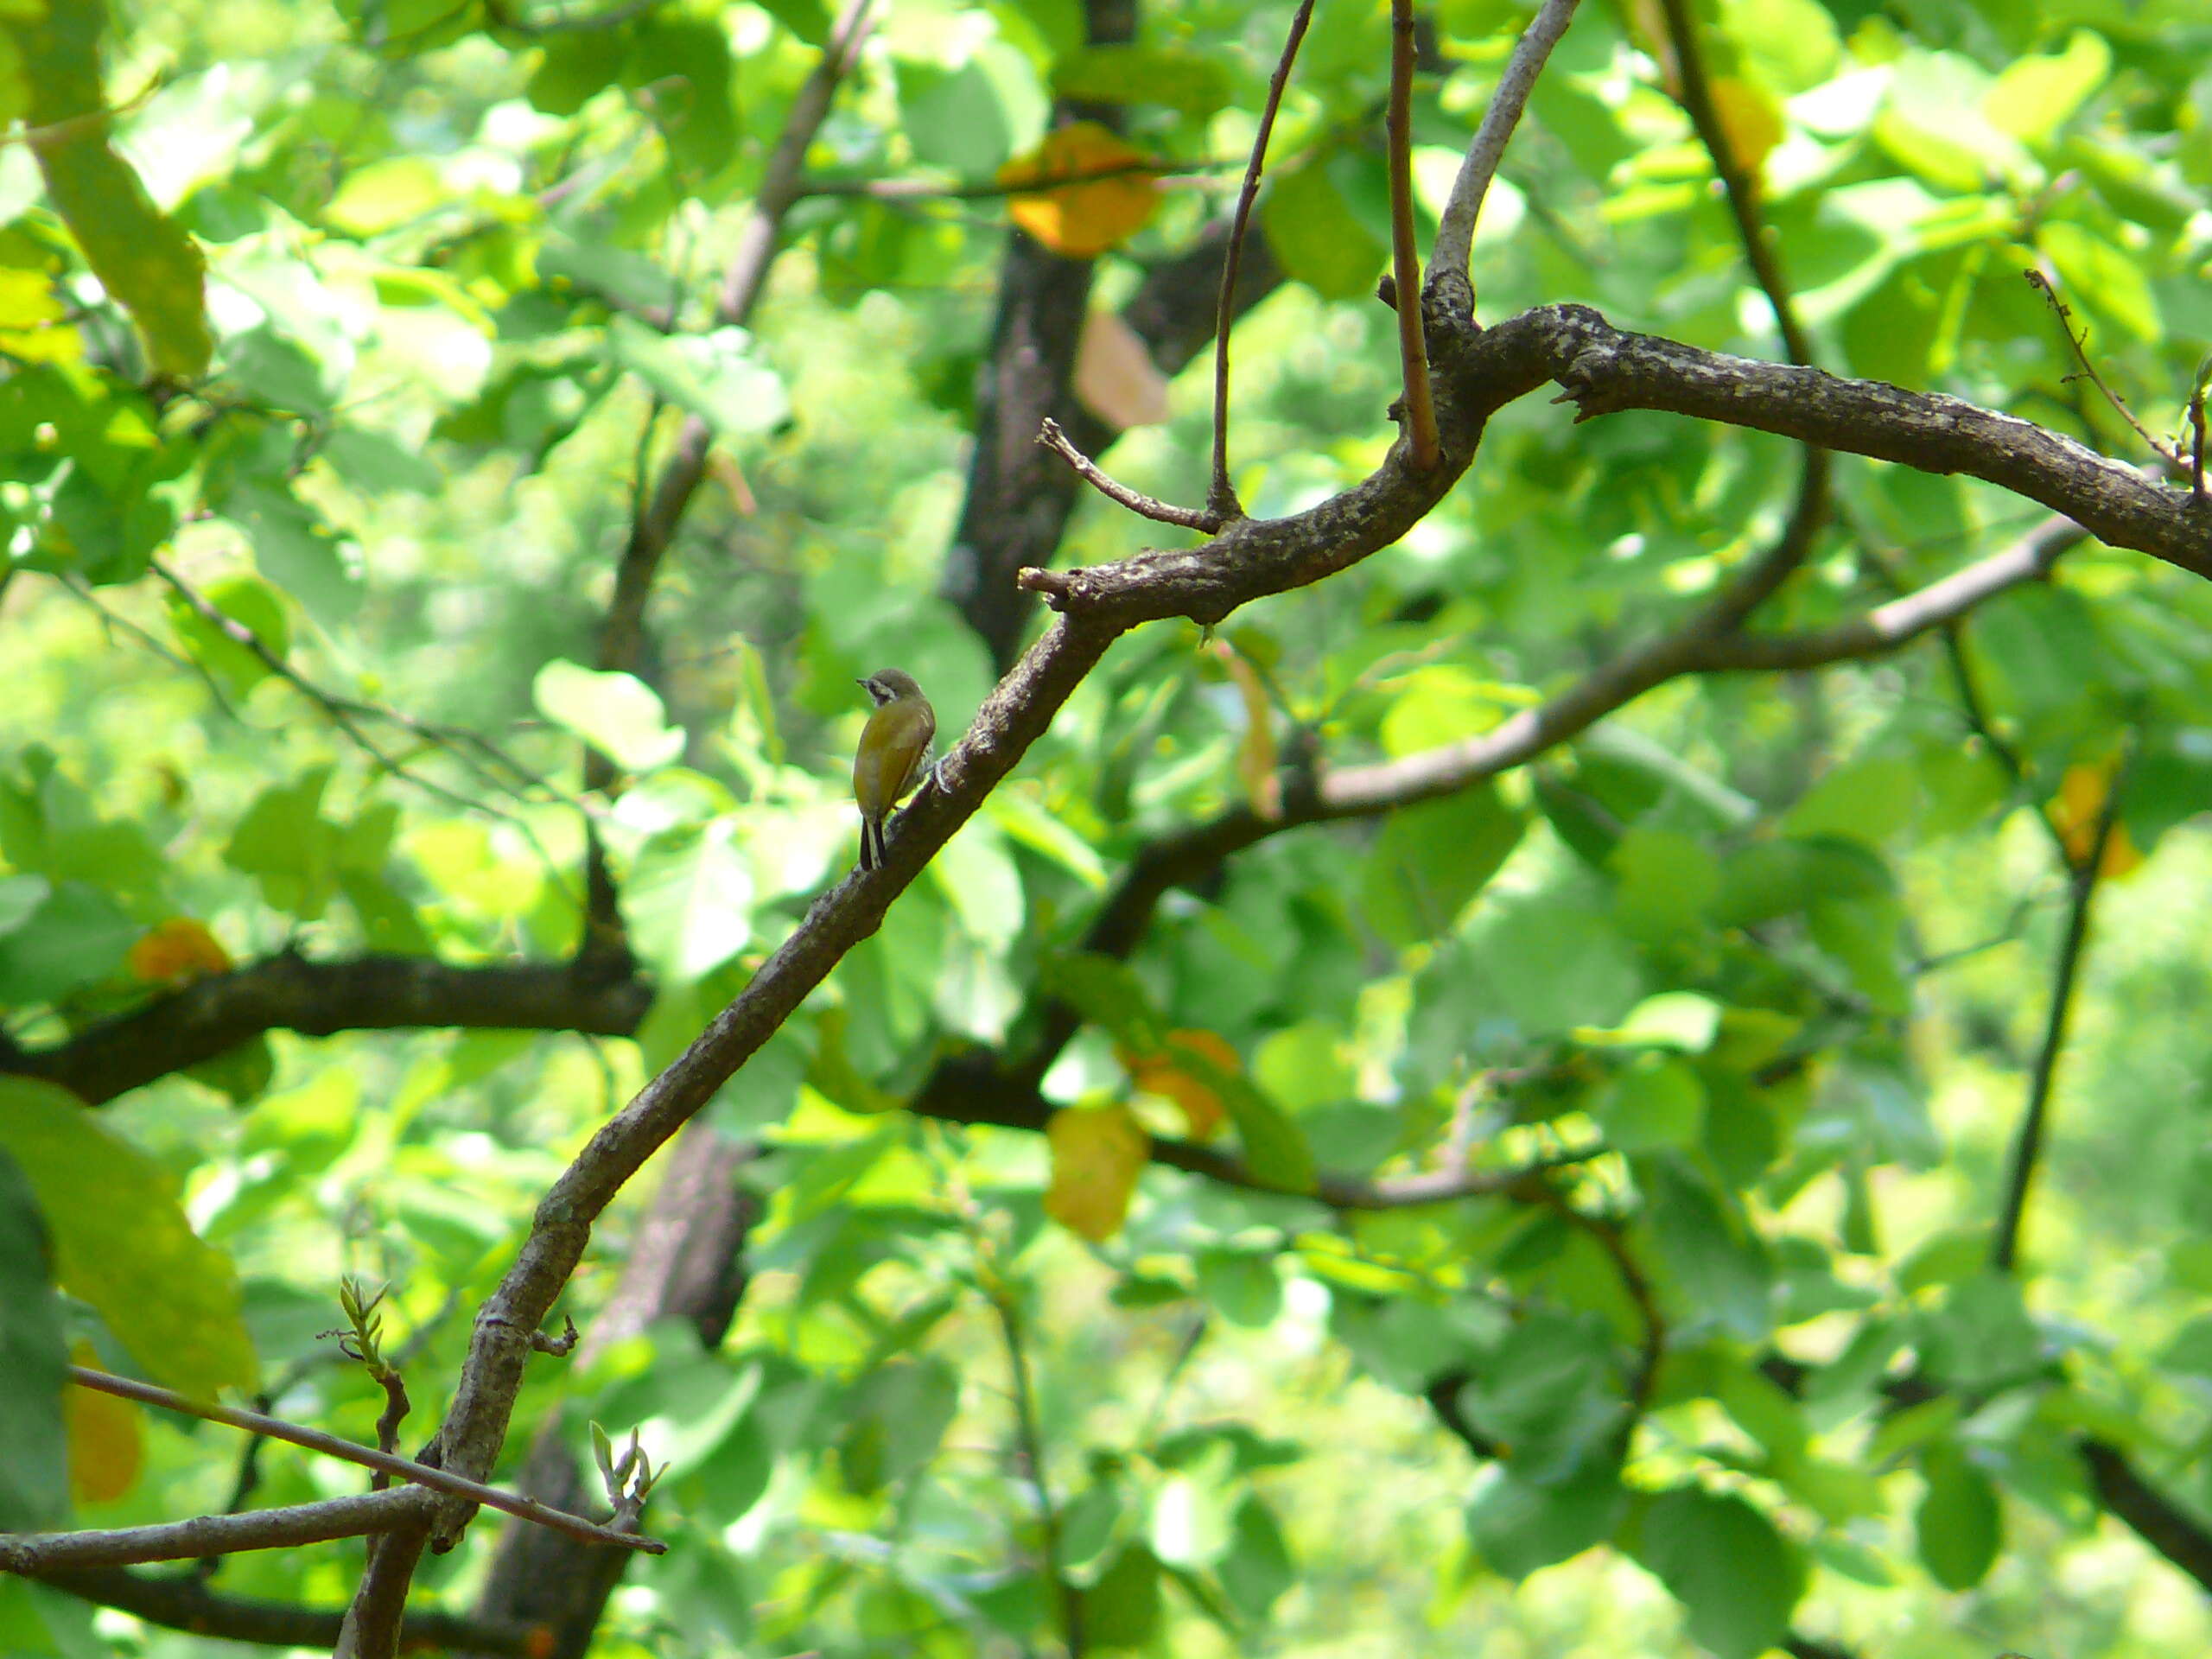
[
  {"x": 1694, "y": 93},
  {"x": 1405, "y": 257},
  {"x": 1221, "y": 495},
  {"x": 2027, "y": 1148}
]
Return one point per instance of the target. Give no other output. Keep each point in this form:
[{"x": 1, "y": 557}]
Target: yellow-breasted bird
[{"x": 893, "y": 754}]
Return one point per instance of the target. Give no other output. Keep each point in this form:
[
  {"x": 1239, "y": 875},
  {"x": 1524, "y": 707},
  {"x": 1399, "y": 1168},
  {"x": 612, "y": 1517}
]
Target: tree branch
[
  {"x": 2027, "y": 1146},
  {"x": 369, "y": 1457},
  {"x": 183, "y": 1601},
  {"x": 369, "y": 993},
  {"x": 36, "y": 1554},
  {"x": 1694, "y": 93},
  {"x": 1455, "y": 231}
]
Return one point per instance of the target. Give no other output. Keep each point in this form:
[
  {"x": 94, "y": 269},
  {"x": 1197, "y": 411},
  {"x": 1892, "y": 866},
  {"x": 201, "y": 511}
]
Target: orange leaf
[
  {"x": 179, "y": 950},
  {"x": 1097, "y": 1153},
  {"x": 1161, "y": 1074},
  {"x": 2074, "y": 814},
  {"x": 107, "y": 1438},
  {"x": 1081, "y": 220}
]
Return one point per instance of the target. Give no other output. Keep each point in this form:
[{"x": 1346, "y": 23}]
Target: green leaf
[
  {"x": 976, "y": 874},
  {"x": 681, "y": 68},
  {"x": 1315, "y": 237},
  {"x": 1682, "y": 1020},
  {"x": 1430, "y": 859},
  {"x": 1656, "y": 1102},
  {"x": 33, "y": 1347},
  {"x": 1186, "y": 82},
  {"x": 1737, "y": 1577},
  {"x": 689, "y": 899},
  {"x": 246, "y": 600},
  {"x": 2033, "y": 96},
  {"x": 1106, "y": 993},
  {"x": 1666, "y": 880},
  {"x": 1866, "y": 800},
  {"x": 1551, "y": 961},
  {"x": 1257, "y": 1568},
  {"x": 715, "y": 376},
  {"x": 1958, "y": 1524},
  {"x": 1981, "y": 1335},
  {"x": 1551, "y": 1393},
  {"x": 385, "y": 195},
  {"x": 2108, "y": 281},
  {"x": 1519, "y": 1525},
  {"x": 77, "y": 937},
  {"x": 895, "y": 1416},
  {"x": 139, "y": 254},
  {"x": 296, "y": 550},
  {"x": 1243, "y": 1288},
  {"x": 617, "y": 714},
  {"x": 1123, "y": 1608},
  {"x": 122, "y": 1243},
  {"x": 285, "y": 844},
  {"x": 1722, "y": 1268}
]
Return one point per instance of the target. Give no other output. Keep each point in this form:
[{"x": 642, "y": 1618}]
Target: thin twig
[
  {"x": 1205, "y": 520},
  {"x": 2043, "y": 285},
  {"x": 1001, "y": 1296},
  {"x": 1694, "y": 93},
  {"x": 2027, "y": 1146},
  {"x": 908, "y": 189},
  {"x": 1455, "y": 231},
  {"x": 1221, "y": 495},
  {"x": 1405, "y": 257},
  {"x": 368, "y": 1457},
  {"x": 2196, "y": 445},
  {"x": 1607, "y": 1236}
]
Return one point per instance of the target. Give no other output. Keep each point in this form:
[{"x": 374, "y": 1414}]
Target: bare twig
[
  {"x": 1420, "y": 401},
  {"x": 1455, "y": 231},
  {"x": 315, "y": 1439},
  {"x": 1221, "y": 495},
  {"x": 1205, "y": 520},
  {"x": 2027, "y": 1147},
  {"x": 2079, "y": 346}
]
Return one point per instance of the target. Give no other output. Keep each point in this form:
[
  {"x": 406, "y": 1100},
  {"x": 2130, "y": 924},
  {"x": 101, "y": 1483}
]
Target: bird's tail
[{"x": 871, "y": 843}]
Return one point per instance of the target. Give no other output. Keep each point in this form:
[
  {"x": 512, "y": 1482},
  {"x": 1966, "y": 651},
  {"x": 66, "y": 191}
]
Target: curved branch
[
  {"x": 1604, "y": 370},
  {"x": 370, "y": 993}
]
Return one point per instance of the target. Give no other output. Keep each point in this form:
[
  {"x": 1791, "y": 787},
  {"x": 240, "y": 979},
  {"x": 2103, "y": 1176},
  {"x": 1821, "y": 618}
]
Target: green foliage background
[{"x": 1783, "y": 944}]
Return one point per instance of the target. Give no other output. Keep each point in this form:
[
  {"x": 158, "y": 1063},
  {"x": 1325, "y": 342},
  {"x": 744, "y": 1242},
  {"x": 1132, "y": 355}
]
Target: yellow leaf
[
  {"x": 107, "y": 1438},
  {"x": 1162, "y": 1073},
  {"x": 1255, "y": 754},
  {"x": 1079, "y": 219},
  {"x": 1749, "y": 120},
  {"x": 1097, "y": 1153},
  {"x": 178, "y": 950},
  {"x": 2074, "y": 814}
]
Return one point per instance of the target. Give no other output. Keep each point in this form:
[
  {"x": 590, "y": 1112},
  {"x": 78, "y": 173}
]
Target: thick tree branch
[
  {"x": 183, "y": 1601},
  {"x": 288, "y": 992},
  {"x": 36, "y": 1554},
  {"x": 1604, "y": 371}
]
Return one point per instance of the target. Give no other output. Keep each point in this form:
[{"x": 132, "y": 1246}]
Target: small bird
[{"x": 894, "y": 753}]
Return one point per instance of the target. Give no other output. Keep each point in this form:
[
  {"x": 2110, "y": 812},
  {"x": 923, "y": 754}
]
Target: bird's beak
[{"x": 861, "y": 683}]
